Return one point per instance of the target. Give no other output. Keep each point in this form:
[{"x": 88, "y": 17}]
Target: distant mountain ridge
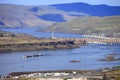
[
  {"x": 31, "y": 16},
  {"x": 92, "y": 10}
]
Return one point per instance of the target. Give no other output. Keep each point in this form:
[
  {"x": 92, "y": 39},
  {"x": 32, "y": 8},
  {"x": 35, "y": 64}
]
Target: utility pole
[
  {"x": 53, "y": 31},
  {"x": 52, "y": 35}
]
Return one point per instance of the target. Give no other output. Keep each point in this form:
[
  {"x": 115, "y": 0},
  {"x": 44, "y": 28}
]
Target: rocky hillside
[{"x": 31, "y": 16}]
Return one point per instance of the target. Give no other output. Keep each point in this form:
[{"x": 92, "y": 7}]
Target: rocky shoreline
[
  {"x": 10, "y": 42},
  {"x": 5, "y": 48},
  {"x": 110, "y": 58}
]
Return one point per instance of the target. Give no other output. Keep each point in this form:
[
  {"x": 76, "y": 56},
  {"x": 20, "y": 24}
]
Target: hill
[
  {"x": 92, "y": 10},
  {"x": 31, "y": 16},
  {"x": 89, "y": 25}
]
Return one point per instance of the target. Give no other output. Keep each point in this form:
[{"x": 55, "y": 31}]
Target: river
[{"x": 58, "y": 59}]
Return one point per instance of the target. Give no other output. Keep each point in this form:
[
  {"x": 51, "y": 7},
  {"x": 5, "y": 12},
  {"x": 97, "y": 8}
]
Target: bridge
[
  {"x": 96, "y": 40},
  {"x": 92, "y": 39}
]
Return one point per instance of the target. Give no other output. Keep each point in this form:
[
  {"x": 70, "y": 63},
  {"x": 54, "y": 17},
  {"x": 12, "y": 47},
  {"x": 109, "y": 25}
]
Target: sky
[{"x": 48, "y": 2}]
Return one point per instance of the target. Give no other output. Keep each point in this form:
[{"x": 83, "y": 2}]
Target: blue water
[{"x": 58, "y": 59}]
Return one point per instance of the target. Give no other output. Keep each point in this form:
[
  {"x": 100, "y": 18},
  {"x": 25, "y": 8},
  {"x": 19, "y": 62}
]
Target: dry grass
[
  {"x": 22, "y": 40},
  {"x": 89, "y": 25}
]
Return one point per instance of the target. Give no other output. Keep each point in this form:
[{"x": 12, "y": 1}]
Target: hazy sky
[{"x": 47, "y": 2}]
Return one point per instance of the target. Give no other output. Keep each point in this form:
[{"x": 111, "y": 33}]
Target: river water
[{"x": 58, "y": 59}]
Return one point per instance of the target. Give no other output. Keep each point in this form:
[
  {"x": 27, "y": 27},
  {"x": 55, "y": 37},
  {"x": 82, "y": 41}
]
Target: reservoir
[{"x": 58, "y": 59}]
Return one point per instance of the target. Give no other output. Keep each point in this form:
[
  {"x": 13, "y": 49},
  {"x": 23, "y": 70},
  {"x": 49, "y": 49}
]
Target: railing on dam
[{"x": 94, "y": 40}]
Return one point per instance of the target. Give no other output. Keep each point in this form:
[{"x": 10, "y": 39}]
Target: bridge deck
[{"x": 95, "y": 40}]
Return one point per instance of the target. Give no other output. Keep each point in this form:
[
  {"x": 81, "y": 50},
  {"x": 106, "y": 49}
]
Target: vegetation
[
  {"x": 89, "y": 25},
  {"x": 11, "y": 38},
  {"x": 23, "y": 42},
  {"x": 115, "y": 74},
  {"x": 6, "y": 34},
  {"x": 64, "y": 79}
]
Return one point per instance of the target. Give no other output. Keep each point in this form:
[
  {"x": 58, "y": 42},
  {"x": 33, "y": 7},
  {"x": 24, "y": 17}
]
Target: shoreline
[
  {"x": 100, "y": 74},
  {"x": 48, "y": 71},
  {"x": 51, "y": 45},
  {"x": 10, "y": 42}
]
